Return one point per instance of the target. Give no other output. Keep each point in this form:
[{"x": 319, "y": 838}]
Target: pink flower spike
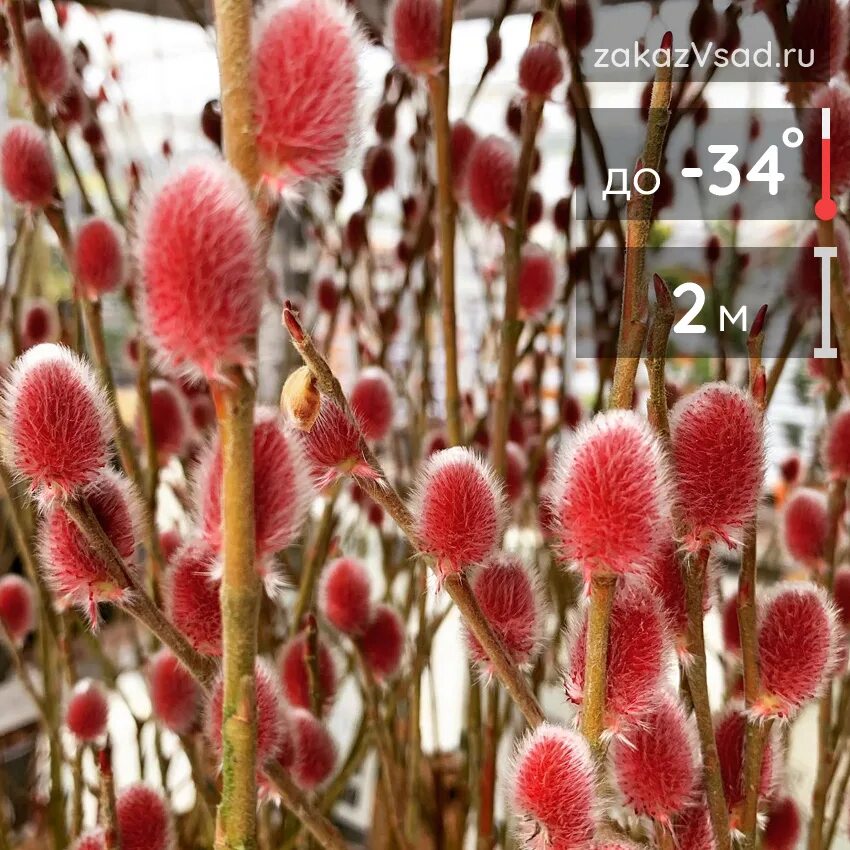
[
  {"x": 144, "y": 822},
  {"x": 382, "y": 643},
  {"x": 170, "y": 422},
  {"x": 458, "y": 507},
  {"x": 718, "y": 458},
  {"x": 314, "y": 748},
  {"x": 198, "y": 252},
  {"x": 99, "y": 262},
  {"x": 490, "y": 178},
  {"x": 798, "y": 639},
  {"x": 73, "y": 569},
  {"x": 295, "y": 674},
  {"x": 836, "y": 448},
  {"x": 175, "y": 695},
  {"x": 553, "y": 791},
  {"x": 805, "y": 527},
  {"x": 333, "y": 446},
  {"x": 26, "y": 167},
  {"x": 87, "y": 712},
  {"x": 783, "y": 827},
  {"x": 57, "y": 421},
  {"x": 50, "y": 65},
  {"x": 540, "y": 70},
  {"x": 511, "y": 599},
  {"x": 414, "y": 34},
  {"x": 282, "y": 487},
  {"x": 345, "y": 596},
  {"x": 373, "y": 403},
  {"x": 307, "y": 86},
  {"x": 638, "y": 654},
  {"x": 655, "y": 761},
  {"x": 39, "y": 323},
  {"x": 610, "y": 496},
  {"x": 17, "y": 607},
  {"x": 537, "y": 281},
  {"x": 730, "y": 731},
  {"x": 191, "y": 591}
]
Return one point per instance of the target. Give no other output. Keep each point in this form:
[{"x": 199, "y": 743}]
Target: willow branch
[
  {"x": 382, "y": 492},
  {"x": 698, "y": 684},
  {"x": 438, "y": 90},
  {"x": 756, "y": 734},
  {"x": 511, "y": 327},
  {"x": 634, "y": 308}
]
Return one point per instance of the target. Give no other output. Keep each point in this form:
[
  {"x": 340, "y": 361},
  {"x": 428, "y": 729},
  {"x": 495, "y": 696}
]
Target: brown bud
[{"x": 300, "y": 399}]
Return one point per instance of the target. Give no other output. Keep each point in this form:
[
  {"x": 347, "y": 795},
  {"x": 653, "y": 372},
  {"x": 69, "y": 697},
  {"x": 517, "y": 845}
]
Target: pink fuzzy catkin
[
  {"x": 99, "y": 262},
  {"x": 56, "y": 419},
  {"x": 345, "y": 595},
  {"x": 175, "y": 695},
  {"x": 144, "y": 821},
  {"x": 192, "y": 596},
  {"x": 458, "y": 509},
  {"x": 373, "y": 402},
  {"x": 414, "y": 33},
  {"x": 798, "y": 636},
  {"x": 805, "y": 527},
  {"x": 730, "y": 731},
  {"x": 26, "y": 168},
  {"x": 17, "y": 607},
  {"x": 282, "y": 487},
  {"x": 49, "y": 63},
  {"x": 540, "y": 70},
  {"x": 87, "y": 712},
  {"x": 553, "y": 791},
  {"x": 382, "y": 643},
  {"x": 39, "y": 323},
  {"x": 655, "y": 761},
  {"x": 610, "y": 496},
  {"x": 198, "y": 252},
  {"x": 537, "y": 281},
  {"x": 510, "y": 599},
  {"x": 836, "y": 447},
  {"x": 638, "y": 653},
  {"x": 295, "y": 674},
  {"x": 490, "y": 178},
  {"x": 718, "y": 457},
  {"x": 74, "y": 569},
  {"x": 306, "y": 88},
  {"x": 315, "y": 751}
]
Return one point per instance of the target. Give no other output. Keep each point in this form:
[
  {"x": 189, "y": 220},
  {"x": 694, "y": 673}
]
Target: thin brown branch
[
  {"x": 633, "y": 320},
  {"x": 698, "y": 685},
  {"x": 382, "y": 492},
  {"x": 438, "y": 89}
]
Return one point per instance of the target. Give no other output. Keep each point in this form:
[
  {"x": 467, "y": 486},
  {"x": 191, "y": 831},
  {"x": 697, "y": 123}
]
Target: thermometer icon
[{"x": 825, "y": 207}]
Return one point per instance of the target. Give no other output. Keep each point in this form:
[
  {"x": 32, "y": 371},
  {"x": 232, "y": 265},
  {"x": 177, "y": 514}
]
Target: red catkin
[
  {"x": 87, "y": 712},
  {"x": 458, "y": 508},
  {"x": 295, "y": 674},
  {"x": 718, "y": 456},
  {"x": 345, "y": 595},
  {"x": 56, "y": 420},
  {"x": 553, "y": 790},
  {"x": 510, "y": 598},
  {"x": 610, "y": 496},
  {"x": 382, "y": 643},
  {"x": 17, "y": 607}
]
